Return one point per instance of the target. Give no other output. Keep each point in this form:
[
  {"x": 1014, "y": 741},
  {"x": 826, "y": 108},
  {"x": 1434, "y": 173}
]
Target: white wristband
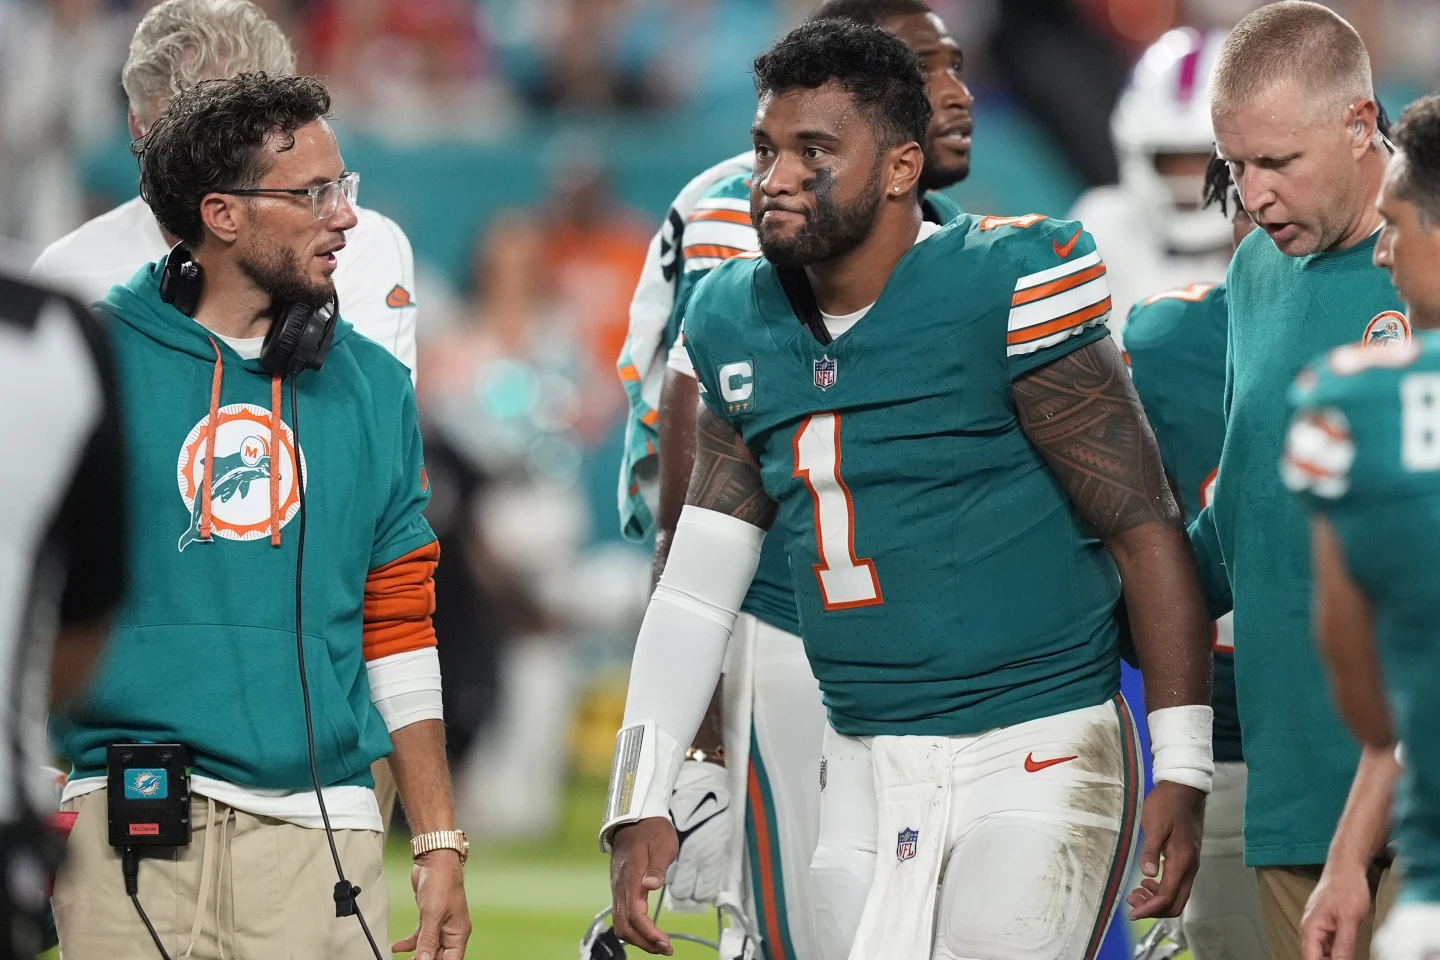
[
  {"x": 647, "y": 759},
  {"x": 1180, "y": 743}
]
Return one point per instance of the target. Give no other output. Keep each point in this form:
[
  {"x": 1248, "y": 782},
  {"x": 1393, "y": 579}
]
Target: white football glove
[
  {"x": 1411, "y": 932},
  {"x": 698, "y": 807}
]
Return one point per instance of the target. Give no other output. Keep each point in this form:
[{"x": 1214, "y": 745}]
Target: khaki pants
[
  {"x": 386, "y": 793},
  {"x": 245, "y": 887},
  {"x": 1284, "y": 892}
]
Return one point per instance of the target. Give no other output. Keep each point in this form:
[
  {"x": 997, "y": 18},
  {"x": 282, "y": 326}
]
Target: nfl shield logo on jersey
[
  {"x": 825, "y": 373},
  {"x": 905, "y": 845}
]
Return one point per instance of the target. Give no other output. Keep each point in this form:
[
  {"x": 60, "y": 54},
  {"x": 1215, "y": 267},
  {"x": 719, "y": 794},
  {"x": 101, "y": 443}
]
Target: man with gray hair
[
  {"x": 176, "y": 45},
  {"x": 1295, "y": 119}
]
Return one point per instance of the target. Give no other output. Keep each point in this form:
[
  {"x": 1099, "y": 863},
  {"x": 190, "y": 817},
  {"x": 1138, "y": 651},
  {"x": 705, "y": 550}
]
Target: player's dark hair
[
  {"x": 872, "y": 12},
  {"x": 1417, "y": 136},
  {"x": 1218, "y": 188},
  {"x": 212, "y": 140},
  {"x": 884, "y": 77}
]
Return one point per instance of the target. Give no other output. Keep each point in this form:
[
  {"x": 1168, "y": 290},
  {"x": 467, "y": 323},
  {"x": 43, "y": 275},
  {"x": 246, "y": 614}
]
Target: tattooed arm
[
  {"x": 1082, "y": 414},
  {"x": 727, "y": 475}
]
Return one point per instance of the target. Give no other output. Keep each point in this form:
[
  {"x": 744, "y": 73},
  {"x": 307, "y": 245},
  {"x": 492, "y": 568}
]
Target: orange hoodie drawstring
[
  {"x": 208, "y": 479},
  {"x": 275, "y": 400}
]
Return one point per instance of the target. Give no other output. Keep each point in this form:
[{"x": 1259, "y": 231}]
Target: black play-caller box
[{"x": 149, "y": 794}]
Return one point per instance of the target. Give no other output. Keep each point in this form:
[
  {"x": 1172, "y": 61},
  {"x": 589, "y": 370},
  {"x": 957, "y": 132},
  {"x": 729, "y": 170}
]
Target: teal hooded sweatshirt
[{"x": 203, "y": 650}]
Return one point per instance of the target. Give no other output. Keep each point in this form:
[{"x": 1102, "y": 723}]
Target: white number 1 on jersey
[{"x": 845, "y": 580}]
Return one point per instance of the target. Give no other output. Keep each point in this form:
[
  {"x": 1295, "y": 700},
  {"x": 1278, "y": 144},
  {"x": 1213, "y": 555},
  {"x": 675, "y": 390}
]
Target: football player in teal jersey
[
  {"x": 1363, "y": 451},
  {"x": 1175, "y": 344},
  {"x": 955, "y": 567},
  {"x": 767, "y": 737},
  {"x": 1296, "y": 119}
]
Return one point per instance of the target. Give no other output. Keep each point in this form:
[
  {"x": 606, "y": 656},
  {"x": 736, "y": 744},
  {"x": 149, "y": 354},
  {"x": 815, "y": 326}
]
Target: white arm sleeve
[
  {"x": 678, "y": 658},
  {"x": 405, "y": 687}
]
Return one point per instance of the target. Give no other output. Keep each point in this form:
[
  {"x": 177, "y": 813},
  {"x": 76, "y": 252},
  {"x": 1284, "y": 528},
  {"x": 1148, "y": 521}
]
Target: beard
[
  {"x": 832, "y": 230},
  {"x": 935, "y": 175},
  {"x": 276, "y": 270}
]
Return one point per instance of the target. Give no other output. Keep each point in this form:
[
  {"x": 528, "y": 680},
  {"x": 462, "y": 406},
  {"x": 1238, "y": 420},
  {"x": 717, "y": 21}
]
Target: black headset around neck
[{"x": 299, "y": 337}]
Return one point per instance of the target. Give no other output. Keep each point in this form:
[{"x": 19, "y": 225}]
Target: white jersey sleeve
[{"x": 375, "y": 280}]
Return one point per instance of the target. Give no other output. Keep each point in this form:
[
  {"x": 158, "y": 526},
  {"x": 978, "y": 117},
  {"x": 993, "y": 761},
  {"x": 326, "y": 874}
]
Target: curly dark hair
[
  {"x": 212, "y": 140},
  {"x": 873, "y": 12},
  {"x": 1417, "y": 135},
  {"x": 884, "y": 77}
]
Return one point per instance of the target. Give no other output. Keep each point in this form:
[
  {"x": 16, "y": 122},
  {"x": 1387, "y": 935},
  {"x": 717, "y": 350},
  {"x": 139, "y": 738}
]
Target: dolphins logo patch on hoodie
[{"x": 240, "y": 506}]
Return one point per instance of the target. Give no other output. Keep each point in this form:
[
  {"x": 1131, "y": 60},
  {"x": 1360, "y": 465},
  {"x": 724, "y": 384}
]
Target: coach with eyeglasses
[{"x": 276, "y": 487}]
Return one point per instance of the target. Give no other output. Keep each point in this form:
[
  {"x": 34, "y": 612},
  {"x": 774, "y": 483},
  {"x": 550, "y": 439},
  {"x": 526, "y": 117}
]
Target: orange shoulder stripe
[
  {"x": 1310, "y": 469},
  {"x": 729, "y": 216},
  {"x": 1067, "y": 282},
  {"x": 712, "y": 250},
  {"x": 1042, "y": 330}
]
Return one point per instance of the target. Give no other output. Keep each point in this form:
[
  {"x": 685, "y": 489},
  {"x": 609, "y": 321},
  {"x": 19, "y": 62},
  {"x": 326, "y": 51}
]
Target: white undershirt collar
[{"x": 841, "y": 324}]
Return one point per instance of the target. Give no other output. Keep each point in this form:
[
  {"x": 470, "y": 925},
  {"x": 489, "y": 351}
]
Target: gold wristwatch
[{"x": 441, "y": 840}]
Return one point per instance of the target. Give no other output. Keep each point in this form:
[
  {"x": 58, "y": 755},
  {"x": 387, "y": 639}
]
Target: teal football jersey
[
  {"x": 717, "y": 229},
  {"x": 1175, "y": 344},
  {"x": 1364, "y": 450},
  {"x": 945, "y": 583},
  {"x": 1284, "y": 312}
]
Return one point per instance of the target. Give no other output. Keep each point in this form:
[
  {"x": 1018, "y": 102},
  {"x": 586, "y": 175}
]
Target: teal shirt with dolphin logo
[{"x": 203, "y": 650}]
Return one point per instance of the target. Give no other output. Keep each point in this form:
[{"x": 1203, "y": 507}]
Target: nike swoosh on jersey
[
  {"x": 1063, "y": 250},
  {"x": 1035, "y": 766}
]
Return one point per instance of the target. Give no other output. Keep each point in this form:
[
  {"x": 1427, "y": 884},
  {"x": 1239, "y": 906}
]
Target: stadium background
[{"x": 529, "y": 149}]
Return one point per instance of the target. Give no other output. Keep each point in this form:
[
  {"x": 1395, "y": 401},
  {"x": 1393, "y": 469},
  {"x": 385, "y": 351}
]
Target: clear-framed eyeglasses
[{"x": 324, "y": 197}]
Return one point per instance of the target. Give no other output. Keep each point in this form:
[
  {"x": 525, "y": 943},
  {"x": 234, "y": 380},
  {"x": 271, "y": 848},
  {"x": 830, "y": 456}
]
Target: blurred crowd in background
[{"x": 529, "y": 149}]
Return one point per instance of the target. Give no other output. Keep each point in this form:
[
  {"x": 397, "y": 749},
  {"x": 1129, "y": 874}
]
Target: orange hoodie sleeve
[{"x": 399, "y": 599}]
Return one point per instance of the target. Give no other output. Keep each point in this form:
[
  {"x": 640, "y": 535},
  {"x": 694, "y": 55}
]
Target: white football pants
[
  {"x": 1043, "y": 819},
  {"x": 1222, "y": 918},
  {"x": 774, "y": 717}
]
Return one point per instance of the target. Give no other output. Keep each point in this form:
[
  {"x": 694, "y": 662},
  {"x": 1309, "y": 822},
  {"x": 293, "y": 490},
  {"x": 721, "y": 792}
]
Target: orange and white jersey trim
[
  {"x": 1055, "y": 304},
  {"x": 1319, "y": 451},
  {"x": 716, "y": 230}
]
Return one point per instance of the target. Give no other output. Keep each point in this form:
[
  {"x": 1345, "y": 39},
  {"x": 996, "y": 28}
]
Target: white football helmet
[{"x": 1166, "y": 109}]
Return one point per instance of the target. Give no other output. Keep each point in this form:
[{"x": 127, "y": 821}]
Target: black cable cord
[
  {"x": 130, "y": 864},
  {"x": 346, "y": 894}
]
